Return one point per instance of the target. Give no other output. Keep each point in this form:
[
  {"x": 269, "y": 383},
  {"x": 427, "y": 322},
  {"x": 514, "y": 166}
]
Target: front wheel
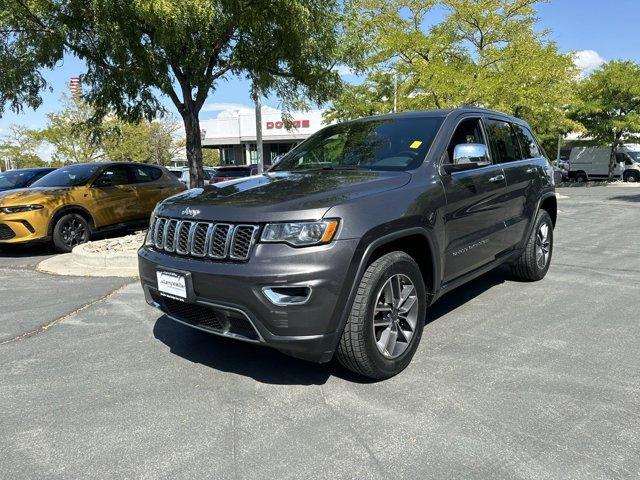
[
  {"x": 387, "y": 318},
  {"x": 632, "y": 177},
  {"x": 533, "y": 263},
  {"x": 70, "y": 231}
]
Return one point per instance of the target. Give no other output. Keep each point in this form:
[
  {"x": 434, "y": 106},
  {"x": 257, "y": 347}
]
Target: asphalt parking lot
[{"x": 511, "y": 380}]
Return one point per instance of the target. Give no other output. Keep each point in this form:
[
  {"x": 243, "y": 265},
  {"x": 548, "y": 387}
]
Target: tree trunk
[
  {"x": 194, "y": 148},
  {"x": 256, "y": 93},
  {"x": 612, "y": 157}
]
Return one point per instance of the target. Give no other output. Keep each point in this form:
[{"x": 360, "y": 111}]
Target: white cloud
[{"x": 587, "y": 61}]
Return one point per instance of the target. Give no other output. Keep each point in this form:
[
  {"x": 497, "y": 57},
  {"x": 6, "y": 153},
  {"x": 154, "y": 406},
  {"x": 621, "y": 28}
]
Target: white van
[{"x": 592, "y": 163}]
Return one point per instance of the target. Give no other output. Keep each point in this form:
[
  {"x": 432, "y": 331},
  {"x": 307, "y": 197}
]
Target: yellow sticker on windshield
[{"x": 415, "y": 144}]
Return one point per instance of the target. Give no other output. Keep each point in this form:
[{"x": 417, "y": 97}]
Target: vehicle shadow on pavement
[
  {"x": 467, "y": 292},
  {"x": 627, "y": 198},
  {"x": 18, "y": 251},
  {"x": 263, "y": 364},
  {"x": 267, "y": 365}
]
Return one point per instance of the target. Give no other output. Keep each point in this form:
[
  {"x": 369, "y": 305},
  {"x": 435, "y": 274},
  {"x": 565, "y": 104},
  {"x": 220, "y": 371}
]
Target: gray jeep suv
[{"x": 340, "y": 249}]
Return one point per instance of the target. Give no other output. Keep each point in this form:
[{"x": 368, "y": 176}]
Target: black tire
[
  {"x": 528, "y": 266},
  {"x": 632, "y": 177},
  {"x": 357, "y": 349},
  {"x": 70, "y": 231},
  {"x": 581, "y": 177}
]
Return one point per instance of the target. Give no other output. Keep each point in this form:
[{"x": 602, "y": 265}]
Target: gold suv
[{"x": 72, "y": 203}]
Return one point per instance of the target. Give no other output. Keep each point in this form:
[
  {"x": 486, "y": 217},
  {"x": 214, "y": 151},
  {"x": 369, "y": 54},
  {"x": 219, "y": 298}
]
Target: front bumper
[
  {"x": 233, "y": 293},
  {"x": 24, "y": 227}
]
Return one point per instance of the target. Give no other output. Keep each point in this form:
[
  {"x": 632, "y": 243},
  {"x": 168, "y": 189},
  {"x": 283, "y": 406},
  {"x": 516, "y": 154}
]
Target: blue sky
[{"x": 600, "y": 30}]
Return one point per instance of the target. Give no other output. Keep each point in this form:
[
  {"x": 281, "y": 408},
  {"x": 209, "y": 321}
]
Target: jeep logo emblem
[{"x": 190, "y": 212}]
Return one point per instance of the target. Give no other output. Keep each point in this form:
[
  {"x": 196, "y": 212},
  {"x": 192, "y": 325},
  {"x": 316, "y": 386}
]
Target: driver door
[
  {"x": 113, "y": 197},
  {"x": 475, "y": 210}
]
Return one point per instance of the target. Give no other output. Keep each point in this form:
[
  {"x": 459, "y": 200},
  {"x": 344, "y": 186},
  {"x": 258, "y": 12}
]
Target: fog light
[{"x": 287, "y": 295}]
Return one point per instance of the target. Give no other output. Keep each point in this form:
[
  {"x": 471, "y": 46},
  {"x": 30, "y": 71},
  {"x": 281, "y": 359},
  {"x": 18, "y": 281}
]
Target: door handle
[
  {"x": 531, "y": 170},
  {"x": 497, "y": 178}
]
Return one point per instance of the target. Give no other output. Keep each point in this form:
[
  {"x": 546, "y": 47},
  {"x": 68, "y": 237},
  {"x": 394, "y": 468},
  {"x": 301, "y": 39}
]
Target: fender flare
[
  {"x": 364, "y": 262},
  {"x": 69, "y": 208}
]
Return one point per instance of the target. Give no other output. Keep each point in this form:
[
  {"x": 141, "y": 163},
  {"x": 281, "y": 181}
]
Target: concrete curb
[{"x": 83, "y": 263}]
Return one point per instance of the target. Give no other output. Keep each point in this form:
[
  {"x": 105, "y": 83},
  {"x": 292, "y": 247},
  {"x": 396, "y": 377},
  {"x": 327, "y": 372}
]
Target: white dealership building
[{"x": 233, "y": 133}]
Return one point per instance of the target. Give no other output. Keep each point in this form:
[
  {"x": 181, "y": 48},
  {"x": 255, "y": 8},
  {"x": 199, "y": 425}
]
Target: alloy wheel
[
  {"x": 74, "y": 232},
  {"x": 395, "y": 316},
  {"x": 543, "y": 246}
]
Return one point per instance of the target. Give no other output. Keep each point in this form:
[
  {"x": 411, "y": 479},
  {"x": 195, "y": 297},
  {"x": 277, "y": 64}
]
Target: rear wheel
[
  {"x": 70, "y": 231},
  {"x": 533, "y": 263},
  {"x": 387, "y": 318},
  {"x": 581, "y": 177}
]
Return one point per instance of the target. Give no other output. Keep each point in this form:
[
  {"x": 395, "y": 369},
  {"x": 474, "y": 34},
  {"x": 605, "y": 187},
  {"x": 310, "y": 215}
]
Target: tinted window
[
  {"x": 468, "y": 131},
  {"x": 116, "y": 175},
  {"x": 503, "y": 141},
  {"x": 236, "y": 172},
  {"x": 176, "y": 173},
  {"x": 374, "y": 144},
  {"x": 528, "y": 144},
  {"x": 71, "y": 176},
  {"x": 16, "y": 178},
  {"x": 145, "y": 173}
]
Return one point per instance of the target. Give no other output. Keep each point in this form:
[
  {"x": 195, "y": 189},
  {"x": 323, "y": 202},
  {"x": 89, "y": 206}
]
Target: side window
[
  {"x": 504, "y": 144},
  {"x": 112, "y": 176},
  {"x": 145, "y": 173},
  {"x": 528, "y": 144},
  {"x": 468, "y": 131}
]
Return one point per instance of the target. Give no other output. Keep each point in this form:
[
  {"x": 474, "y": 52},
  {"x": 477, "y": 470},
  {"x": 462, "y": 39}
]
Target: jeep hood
[
  {"x": 281, "y": 196},
  {"x": 27, "y": 196}
]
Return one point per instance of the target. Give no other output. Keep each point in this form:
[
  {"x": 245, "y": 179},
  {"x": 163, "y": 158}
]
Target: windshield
[
  {"x": 16, "y": 178},
  {"x": 635, "y": 156},
  {"x": 71, "y": 176},
  {"x": 376, "y": 144}
]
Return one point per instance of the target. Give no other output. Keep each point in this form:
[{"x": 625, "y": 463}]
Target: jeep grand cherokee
[{"x": 340, "y": 248}]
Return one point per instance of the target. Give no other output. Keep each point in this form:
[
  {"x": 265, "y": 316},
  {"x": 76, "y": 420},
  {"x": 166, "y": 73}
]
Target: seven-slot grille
[{"x": 218, "y": 241}]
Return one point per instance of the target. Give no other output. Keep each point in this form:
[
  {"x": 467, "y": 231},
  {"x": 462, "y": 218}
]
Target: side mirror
[{"x": 471, "y": 154}]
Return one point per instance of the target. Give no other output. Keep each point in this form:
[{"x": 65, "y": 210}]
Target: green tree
[
  {"x": 482, "y": 53},
  {"x": 138, "y": 49},
  {"x": 75, "y": 135},
  {"x": 609, "y": 106},
  {"x": 143, "y": 141},
  {"x": 211, "y": 157},
  {"x": 20, "y": 149}
]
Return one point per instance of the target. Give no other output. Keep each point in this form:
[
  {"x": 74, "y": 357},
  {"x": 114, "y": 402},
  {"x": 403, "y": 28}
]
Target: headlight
[
  {"x": 300, "y": 234},
  {"x": 148, "y": 241},
  {"x": 20, "y": 208}
]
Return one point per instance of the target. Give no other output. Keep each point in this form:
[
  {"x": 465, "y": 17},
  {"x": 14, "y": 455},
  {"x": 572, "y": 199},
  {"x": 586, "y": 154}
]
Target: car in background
[
  {"x": 230, "y": 172},
  {"x": 70, "y": 205},
  {"x": 182, "y": 174},
  {"x": 21, "y": 178}
]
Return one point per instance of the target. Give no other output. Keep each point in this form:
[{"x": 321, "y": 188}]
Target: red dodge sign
[{"x": 296, "y": 124}]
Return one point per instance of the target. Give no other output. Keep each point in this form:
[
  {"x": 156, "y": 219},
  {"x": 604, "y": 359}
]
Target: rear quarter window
[
  {"x": 146, "y": 173},
  {"x": 528, "y": 143}
]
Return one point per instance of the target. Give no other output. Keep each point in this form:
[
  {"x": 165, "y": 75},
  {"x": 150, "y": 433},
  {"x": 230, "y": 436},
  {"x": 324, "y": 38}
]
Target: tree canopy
[
  {"x": 609, "y": 105},
  {"x": 136, "y": 50},
  {"x": 482, "y": 53}
]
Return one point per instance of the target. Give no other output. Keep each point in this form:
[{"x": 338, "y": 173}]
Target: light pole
[{"x": 256, "y": 93}]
